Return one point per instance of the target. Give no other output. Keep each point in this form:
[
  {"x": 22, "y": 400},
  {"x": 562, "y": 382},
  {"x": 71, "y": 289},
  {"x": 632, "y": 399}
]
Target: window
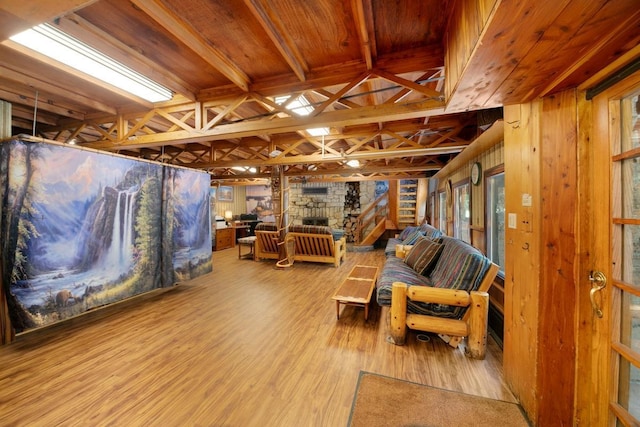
[
  {"x": 494, "y": 223},
  {"x": 442, "y": 211},
  {"x": 461, "y": 212}
]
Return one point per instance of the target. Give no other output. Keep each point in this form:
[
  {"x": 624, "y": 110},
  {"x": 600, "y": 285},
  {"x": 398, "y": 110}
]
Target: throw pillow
[
  {"x": 423, "y": 256},
  {"x": 412, "y": 237}
]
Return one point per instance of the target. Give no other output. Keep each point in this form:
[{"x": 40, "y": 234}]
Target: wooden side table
[{"x": 357, "y": 289}]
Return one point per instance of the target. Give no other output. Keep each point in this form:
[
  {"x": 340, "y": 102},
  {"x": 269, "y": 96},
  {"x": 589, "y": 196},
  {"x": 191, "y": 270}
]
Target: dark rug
[{"x": 384, "y": 401}]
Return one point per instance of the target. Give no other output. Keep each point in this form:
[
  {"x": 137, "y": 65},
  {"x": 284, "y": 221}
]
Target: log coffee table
[{"x": 357, "y": 289}]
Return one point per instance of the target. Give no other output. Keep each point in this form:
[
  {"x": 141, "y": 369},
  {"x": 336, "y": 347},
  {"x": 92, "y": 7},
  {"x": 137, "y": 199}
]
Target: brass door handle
[{"x": 598, "y": 282}]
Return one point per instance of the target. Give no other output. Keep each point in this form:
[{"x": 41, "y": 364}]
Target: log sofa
[
  {"x": 409, "y": 235},
  {"x": 440, "y": 286}
]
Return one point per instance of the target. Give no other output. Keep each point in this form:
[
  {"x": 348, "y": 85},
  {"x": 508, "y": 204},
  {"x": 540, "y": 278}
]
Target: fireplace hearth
[{"x": 315, "y": 220}]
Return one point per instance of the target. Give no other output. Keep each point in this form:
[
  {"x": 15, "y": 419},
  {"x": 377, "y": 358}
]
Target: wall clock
[{"x": 475, "y": 173}]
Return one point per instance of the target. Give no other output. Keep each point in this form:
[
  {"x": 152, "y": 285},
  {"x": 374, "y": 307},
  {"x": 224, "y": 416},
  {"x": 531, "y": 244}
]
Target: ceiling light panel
[{"x": 53, "y": 43}]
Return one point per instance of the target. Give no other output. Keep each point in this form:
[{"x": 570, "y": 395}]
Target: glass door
[
  {"x": 614, "y": 283},
  {"x": 625, "y": 290}
]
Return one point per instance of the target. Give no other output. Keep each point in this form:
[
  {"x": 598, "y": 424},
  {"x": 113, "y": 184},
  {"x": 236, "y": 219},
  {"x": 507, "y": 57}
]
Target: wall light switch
[
  {"x": 513, "y": 218},
  {"x": 527, "y": 200}
]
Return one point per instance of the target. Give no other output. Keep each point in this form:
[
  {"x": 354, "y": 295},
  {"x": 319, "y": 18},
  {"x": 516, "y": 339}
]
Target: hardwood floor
[{"x": 247, "y": 345}]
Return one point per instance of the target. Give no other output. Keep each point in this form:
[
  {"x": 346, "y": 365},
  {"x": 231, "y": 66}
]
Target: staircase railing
[{"x": 368, "y": 216}]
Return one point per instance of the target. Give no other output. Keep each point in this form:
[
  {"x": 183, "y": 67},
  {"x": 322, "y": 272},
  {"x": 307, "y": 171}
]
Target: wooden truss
[{"x": 393, "y": 125}]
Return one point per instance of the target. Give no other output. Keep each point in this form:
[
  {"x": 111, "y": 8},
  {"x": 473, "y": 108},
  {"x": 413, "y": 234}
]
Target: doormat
[{"x": 385, "y": 401}]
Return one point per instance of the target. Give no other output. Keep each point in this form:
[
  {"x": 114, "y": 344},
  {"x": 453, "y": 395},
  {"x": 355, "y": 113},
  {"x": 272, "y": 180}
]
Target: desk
[{"x": 239, "y": 230}]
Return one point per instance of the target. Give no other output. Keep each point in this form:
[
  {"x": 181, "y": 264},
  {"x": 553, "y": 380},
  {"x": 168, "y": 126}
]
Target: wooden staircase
[
  {"x": 393, "y": 210},
  {"x": 375, "y": 215}
]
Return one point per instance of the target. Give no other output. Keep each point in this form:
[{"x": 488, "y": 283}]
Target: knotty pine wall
[
  {"x": 522, "y": 267},
  {"x": 540, "y": 155},
  {"x": 466, "y": 23}
]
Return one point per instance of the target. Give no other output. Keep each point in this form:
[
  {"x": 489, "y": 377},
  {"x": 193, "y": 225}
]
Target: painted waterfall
[{"x": 81, "y": 229}]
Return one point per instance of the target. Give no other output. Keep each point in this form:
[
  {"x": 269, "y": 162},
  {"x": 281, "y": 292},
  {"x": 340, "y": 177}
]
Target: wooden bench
[
  {"x": 316, "y": 244},
  {"x": 267, "y": 238}
]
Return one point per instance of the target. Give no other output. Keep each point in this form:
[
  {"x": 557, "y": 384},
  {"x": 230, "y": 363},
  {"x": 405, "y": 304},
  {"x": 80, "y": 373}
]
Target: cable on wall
[{"x": 35, "y": 115}]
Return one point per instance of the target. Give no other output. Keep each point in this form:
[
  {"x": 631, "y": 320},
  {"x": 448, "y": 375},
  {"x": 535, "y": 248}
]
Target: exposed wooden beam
[
  {"x": 409, "y": 84},
  {"x": 363, "y": 15},
  {"x": 482, "y": 143},
  {"x": 317, "y": 158},
  {"x": 426, "y": 58},
  {"x": 362, "y": 115},
  {"x": 340, "y": 93},
  {"x": 280, "y": 38},
  {"x": 44, "y": 104},
  {"x": 17, "y": 16},
  {"x": 44, "y": 86},
  {"x": 187, "y": 35}
]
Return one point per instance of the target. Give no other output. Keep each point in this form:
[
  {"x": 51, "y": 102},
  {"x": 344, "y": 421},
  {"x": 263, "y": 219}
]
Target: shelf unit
[{"x": 407, "y": 202}]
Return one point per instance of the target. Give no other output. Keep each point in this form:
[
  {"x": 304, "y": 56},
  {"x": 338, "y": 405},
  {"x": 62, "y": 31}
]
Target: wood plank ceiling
[{"x": 372, "y": 71}]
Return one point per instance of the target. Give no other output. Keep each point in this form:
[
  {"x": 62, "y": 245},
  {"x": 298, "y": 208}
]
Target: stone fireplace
[
  {"x": 319, "y": 202},
  {"x": 327, "y": 203},
  {"x": 315, "y": 220}
]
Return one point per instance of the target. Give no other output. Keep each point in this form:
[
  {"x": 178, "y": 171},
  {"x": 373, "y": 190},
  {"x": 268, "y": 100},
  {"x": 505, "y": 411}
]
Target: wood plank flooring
[{"x": 248, "y": 345}]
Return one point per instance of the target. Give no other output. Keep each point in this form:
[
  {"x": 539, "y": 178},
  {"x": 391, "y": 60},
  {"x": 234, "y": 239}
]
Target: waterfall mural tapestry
[{"x": 82, "y": 229}]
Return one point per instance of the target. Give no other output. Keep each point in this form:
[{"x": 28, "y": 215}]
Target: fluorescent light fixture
[
  {"x": 406, "y": 152},
  {"x": 318, "y": 131},
  {"x": 244, "y": 169},
  {"x": 51, "y": 42},
  {"x": 301, "y": 107},
  {"x": 353, "y": 163}
]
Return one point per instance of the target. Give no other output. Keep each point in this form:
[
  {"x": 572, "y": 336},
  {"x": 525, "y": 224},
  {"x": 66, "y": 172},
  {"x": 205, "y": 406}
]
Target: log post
[
  {"x": 479, "y": 313},
  {"x": 398, "y": 313}
]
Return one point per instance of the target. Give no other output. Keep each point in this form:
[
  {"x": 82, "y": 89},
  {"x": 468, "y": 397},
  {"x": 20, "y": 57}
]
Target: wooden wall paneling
[
  {"x": 239, "y": 204},
  {"x": 521, "y": 306},
  {"x": 556, "y": 53},
  {"x": 5, "y": 120},
  {"x": 478, "y": 240},
  {"x": 466, "y": 24},
  {"x": 584, "y": 400},
  {"x": 559, "y": 259}
]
